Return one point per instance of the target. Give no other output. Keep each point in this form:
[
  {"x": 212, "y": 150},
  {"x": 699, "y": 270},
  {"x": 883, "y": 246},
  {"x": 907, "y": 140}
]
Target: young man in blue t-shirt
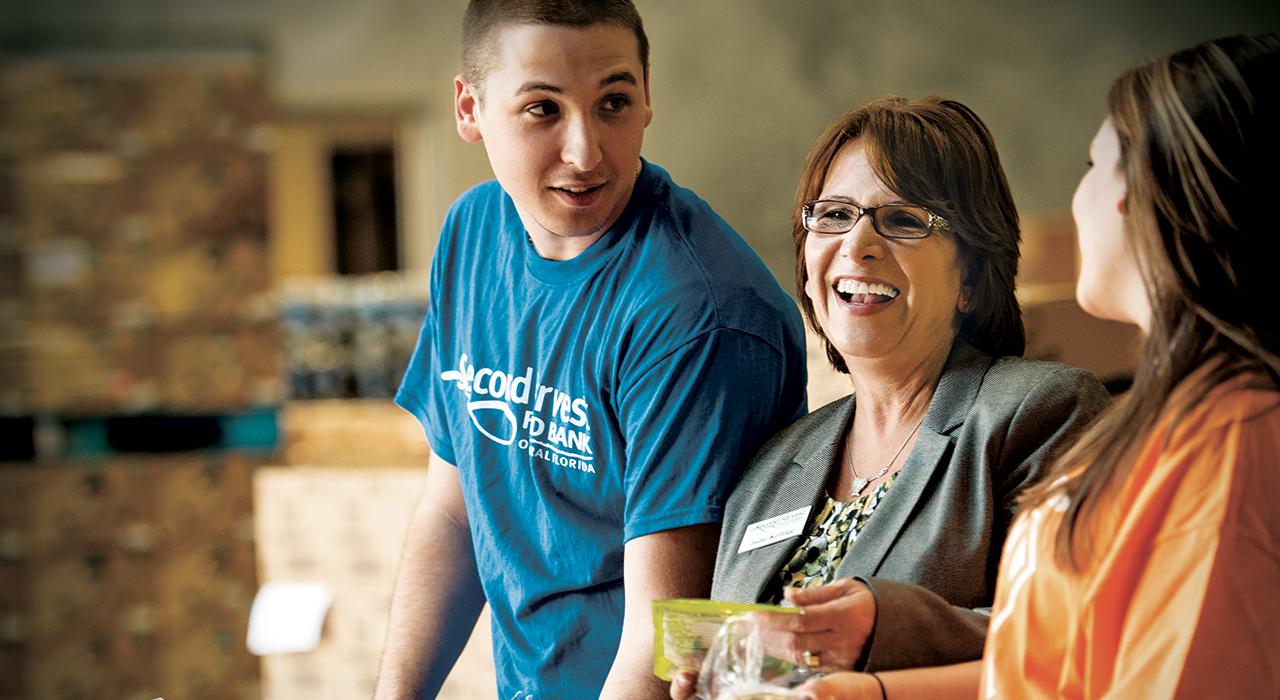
[{"x": 601, "y": 357}]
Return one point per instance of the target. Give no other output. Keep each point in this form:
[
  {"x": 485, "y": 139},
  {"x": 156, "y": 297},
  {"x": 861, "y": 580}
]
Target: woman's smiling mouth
[{"x": 865, "y": 293}]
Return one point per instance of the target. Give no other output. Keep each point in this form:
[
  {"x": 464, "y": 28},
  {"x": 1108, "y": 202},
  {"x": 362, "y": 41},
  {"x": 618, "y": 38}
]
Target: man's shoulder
[
  {"x": 482, "y": 206},
  {"x": 682, "y": 216},
  {"x": 481, "y": 196},
  {"x": 689, "y": 253}
]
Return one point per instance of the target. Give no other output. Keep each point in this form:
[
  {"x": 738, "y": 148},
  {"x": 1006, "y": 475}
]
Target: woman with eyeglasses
[
  {"x": 882, "y": 514},
  {"x": 1147, "y": 564}
]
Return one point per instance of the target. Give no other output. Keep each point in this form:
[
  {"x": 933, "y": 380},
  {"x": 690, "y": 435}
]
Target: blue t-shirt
[{"x": 591, "y": 401}]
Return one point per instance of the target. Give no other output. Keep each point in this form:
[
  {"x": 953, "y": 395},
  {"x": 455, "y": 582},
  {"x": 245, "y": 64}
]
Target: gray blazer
[{"x": 931, "y": 550}]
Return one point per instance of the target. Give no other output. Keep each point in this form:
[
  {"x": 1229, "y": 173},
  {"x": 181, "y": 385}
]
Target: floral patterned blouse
[{"x": 834, "y": 530}]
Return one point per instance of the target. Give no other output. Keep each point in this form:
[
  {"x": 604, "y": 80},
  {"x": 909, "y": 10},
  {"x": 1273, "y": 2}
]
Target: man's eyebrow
[
  {"x": 622, "y": 76},
  {"x": 534, "y": 86}
]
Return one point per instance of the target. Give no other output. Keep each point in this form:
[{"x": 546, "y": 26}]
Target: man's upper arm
[
  {"x": 437, "y": 593},
  {"x": 668, "y": 564},
  {"x": 443, "y": 493},
  {"x": 671, "y": 563}
]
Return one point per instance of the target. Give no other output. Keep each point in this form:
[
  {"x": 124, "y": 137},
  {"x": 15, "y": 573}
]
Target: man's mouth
[
  {"x": 580, "y": 195},
  {"x": 865, "y": 293}
]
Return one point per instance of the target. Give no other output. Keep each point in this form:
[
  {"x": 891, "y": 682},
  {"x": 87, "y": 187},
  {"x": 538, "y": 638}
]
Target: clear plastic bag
[
  {"x": 737, "y": 667},
  {"x": 684, "y": 629}
]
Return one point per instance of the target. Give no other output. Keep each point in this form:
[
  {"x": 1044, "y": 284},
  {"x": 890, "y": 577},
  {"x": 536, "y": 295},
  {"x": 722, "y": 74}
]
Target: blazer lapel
[
  {"x": 800, "y": 485},
  {"x": 957, "y": 388}
]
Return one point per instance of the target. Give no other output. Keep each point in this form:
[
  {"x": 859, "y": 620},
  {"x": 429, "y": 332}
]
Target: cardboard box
[
  {"x": 346, "y": 527},
  {"x": 199, "y": 498},
  {"x": 68, "y": 512},
  {"x": 79, "y": 669},
  {"x": 146, "y": 608},
  {"x": 69, "y": 597},
  {"x": 207, "y": 661},
  {"x": 354, "y": 432},
  {"x": 135, "y": 192},
  {"x": 206, "y": 190}
]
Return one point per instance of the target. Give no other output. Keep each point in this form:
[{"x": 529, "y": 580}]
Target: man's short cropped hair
[{"x": 485, "y": 18}]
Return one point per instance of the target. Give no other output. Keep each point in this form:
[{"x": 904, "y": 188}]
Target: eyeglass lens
[{"x": 892, "y": 220}]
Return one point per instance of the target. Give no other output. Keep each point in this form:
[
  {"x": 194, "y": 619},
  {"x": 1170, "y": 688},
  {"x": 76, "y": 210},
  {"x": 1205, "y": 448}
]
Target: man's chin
[{"x": 572, "y": 229}]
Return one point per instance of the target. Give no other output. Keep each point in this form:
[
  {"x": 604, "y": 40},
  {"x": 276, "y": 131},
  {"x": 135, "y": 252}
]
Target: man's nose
[{"x": 581, "y": 147}]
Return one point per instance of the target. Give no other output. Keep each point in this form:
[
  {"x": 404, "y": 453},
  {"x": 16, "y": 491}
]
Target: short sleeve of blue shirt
[
  {"x": 422, "y": 398},
  {"x": 691, "y": 420}
]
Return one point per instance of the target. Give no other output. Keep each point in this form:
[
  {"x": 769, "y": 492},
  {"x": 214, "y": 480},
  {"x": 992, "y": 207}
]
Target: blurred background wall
[
  {"x": 215, "y": 223},
  {"x": 740, "y": 87}
]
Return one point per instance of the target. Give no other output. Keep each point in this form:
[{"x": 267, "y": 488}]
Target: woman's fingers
[
  {"x": 826, "y": 651},
  {"x": 825, "y": 593},
  {"x": 857, "y": 610},
  {"x": 828, "y": 633},
  {"x": 683, "y": 685},
  {"x": 852, "y": 609}
]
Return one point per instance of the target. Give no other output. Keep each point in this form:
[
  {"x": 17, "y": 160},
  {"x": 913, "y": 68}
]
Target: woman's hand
[
  {"x": 843, "y": 686},
  {"x": 830, "y": 631},
  {"x": 683, "y": 685}
]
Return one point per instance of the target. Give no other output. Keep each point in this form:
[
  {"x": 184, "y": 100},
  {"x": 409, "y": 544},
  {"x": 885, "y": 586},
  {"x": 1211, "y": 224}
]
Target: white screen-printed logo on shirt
[{"x": 553, "y": 425}]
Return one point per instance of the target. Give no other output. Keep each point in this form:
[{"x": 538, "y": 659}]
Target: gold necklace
[{"x": 859, "y": 482}]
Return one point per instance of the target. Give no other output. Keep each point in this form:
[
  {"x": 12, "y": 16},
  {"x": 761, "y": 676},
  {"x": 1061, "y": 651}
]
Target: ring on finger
[{"x": 812, "y": 659}]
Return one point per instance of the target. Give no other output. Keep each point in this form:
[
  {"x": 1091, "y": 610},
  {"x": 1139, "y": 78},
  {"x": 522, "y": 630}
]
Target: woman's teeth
[{"x": 864, "y": 292}]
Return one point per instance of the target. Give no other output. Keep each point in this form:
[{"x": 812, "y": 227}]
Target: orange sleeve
[{"x": 1203, "y": 619}]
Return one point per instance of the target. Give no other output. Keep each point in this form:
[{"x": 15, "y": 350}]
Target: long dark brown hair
[
  {"x": 1198, "y": 145},
  {"x": 936, "y": 153}
]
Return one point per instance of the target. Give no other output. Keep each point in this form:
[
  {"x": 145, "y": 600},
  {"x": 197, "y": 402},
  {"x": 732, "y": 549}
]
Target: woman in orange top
[{"x": 1148, "y": 564}]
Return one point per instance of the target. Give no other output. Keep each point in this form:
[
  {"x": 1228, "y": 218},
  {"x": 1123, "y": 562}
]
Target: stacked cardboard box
[
  {"x": 345, "y": 527},
  {"x": 133, "y": 214},
  {"x": 351, "y": 432},
  {"x": 128, "y": 578}
]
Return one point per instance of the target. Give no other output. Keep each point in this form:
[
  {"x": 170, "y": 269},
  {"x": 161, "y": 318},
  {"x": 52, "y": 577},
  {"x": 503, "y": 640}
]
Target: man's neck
[{"x": 553, "y": 246}]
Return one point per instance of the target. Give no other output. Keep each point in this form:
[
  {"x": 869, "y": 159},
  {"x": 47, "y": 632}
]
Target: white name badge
[{"x": 775, "y": 529}]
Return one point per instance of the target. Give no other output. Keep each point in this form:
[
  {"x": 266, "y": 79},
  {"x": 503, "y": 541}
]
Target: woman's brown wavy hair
[{"x": 1199, "y": 134}]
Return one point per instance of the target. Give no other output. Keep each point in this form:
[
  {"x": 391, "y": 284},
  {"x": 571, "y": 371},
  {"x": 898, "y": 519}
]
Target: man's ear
[
  {"x": 466, "y": 104},
  {"x": 648, "y": 104}
]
